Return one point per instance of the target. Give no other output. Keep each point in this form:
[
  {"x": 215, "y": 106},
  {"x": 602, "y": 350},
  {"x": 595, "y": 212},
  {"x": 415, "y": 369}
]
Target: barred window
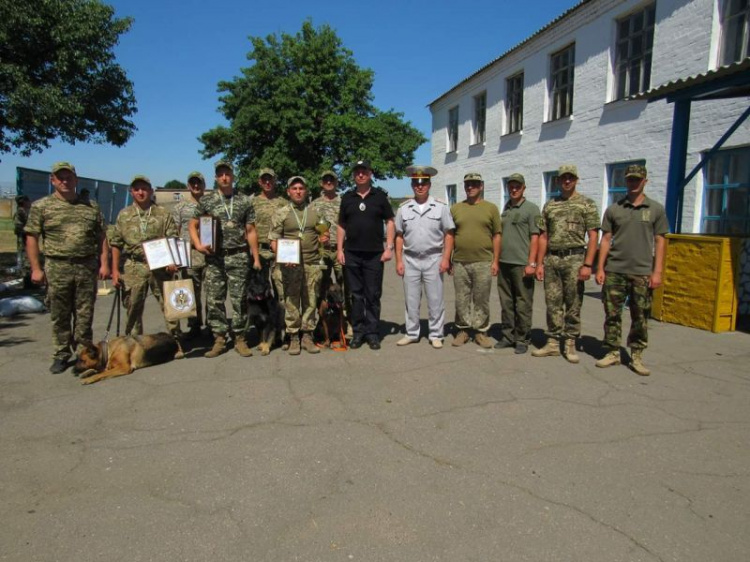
[
  {"x": 735, "y": 38},
  {"x": 514, "y": 103},
  {"x": 562, "y": 65},
  {"x": 480, "y": 118},
  {"x": 635, "y": 41},
  {"x": 453, "y": 129},
  {"x": 726, "y": 205}
]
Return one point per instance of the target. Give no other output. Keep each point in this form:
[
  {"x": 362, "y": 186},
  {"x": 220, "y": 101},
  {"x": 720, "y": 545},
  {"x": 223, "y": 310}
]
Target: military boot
[
  {"x": 570, "y": 352},
  {"x": 636, "y": 363},
  {"x": 294, "y": 346},
  {"x": 461, "y": 338},
  {"x": 552, "y": 348},
  {"x": 220, "y": 346},
  {"x": 612, "y": 358},
  {"x": 308, "y": 344},
  {"x": 240, "y": 346}
]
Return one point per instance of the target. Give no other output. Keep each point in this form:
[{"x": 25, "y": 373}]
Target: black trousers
[{"x": 364, "y": 274}]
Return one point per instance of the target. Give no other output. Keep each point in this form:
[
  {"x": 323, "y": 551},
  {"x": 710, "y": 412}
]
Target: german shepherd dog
[
  {"x": 123, "y": 355},
  {"x": 332, "y": 325},
  {"x": 263, "y": 310}
]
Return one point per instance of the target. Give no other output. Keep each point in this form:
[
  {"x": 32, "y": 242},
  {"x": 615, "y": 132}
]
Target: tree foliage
[
  {"x": 305, "y": 106},
  {"x": 58, "y": 75},
  {"x": 175, "y": 184}
]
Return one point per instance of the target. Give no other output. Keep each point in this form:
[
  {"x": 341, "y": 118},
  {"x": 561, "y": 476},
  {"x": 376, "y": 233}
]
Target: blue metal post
[{"x": 677, "y": 163}]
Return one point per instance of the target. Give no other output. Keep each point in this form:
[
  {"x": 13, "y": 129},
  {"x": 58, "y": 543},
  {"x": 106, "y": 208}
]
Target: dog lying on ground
[
  {"x": 123, "y": 355},
  {"x": 264, "y": 312},
  {"x": 331, "y": 323}
]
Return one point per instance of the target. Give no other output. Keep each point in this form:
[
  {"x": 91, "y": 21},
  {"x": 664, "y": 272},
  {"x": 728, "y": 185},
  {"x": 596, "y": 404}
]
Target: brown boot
[
  {"x": 552, "y": 348},
  {"x": 570, "y": 352},
  {"x": 636, "y": 362},
  {"x": 240, "y": 346},
  {"x": 612, "y": 358},
  {"x": 461, "y": 338},
  {"x": 308, "y": 344},
  {"x": 220, "y": 346},
  {"x": 294, "y": 346}
]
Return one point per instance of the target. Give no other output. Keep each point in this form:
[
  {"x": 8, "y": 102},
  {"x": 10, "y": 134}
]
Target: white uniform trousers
[{"x": 418, "y": 270}]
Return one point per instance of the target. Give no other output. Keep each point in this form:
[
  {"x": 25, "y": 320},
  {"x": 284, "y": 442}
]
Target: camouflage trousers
[
  {"x": 71, "y": 291},
  {"x": 268, "y": 263},
  {"x": 617, "y": 288},
  {"x": 227, "y": 274},
  {"x": 516, "y": 294},
  {"x": 563, "y": 293},
  {"x": 197, "y": 275},
  {"x": 301, "y": 285},
  {"x": 137, "y": 279},
  {"x": 473, "y": 285}
]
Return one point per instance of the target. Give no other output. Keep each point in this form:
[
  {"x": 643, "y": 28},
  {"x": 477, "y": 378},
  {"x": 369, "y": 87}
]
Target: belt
[
  {"x": 567, "y": 252},
  {"x": 264, "y": 246},
  {"x": 83, "y": 259},
  {"x": 424, "y": 254},
  {"x": 232, "y": 251}
]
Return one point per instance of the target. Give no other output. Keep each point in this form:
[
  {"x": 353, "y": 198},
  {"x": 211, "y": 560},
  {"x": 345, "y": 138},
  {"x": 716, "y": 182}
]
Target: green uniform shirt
[
  {"x": 329, "y": 208},
  {"x": 69, "y": 229},
  {"x": 286, "y": 224},
  {"x": 135, "y": 226},
  {"x": 633, "y": 230},
  {"x": 519, "y": 223},
  {"x": 232, "y": 215},
  {"x": 183, "y": 213},
  {"x": 265, "y": 209},
  {"x": 566, "y": 221},
  {"x": 475, "y": 226}
]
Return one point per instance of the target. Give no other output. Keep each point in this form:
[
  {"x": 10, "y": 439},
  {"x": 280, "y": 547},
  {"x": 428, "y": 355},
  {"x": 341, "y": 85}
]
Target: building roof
[
  {"x": 730, "y": 81},
  {"x": 551, "y": 24}
]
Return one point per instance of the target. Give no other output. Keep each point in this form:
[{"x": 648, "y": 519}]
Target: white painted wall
[{"x": 598, "y": 133}]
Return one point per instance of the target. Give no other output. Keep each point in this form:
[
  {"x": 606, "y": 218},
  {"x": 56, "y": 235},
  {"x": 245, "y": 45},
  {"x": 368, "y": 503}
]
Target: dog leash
[{"x": 115, "y": 305}]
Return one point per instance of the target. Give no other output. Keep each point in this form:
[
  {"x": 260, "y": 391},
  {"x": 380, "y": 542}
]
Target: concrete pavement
[{"x": 404, "y": 454}]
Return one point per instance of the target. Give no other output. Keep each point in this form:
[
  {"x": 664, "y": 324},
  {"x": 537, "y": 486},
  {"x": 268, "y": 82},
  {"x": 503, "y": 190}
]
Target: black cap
[{"x": 362, "y": 164}]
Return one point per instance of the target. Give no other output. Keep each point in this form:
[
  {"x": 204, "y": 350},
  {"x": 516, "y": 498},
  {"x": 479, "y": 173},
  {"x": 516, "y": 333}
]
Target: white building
[{"x": 564, "y": 95}]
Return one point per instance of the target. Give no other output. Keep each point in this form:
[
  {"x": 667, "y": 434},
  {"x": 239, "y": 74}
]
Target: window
[
  {"x": 480, "y": 118},
  {"x": 551, "y": 188},
  {"x": 735, "y": 37},
  {"x": 635, "y": 40},
  {"x": 514, "y": 103},
  {"x": 726, "y": 205},
  {"x": 453, "y": 129},
  {"x": 450, "y": 192},
  {"x": 562, "y": 64},
  {"x": 616, "y": 180}
]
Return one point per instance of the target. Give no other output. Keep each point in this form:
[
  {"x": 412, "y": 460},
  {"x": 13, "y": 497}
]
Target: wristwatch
[
  {"x": 532, "y": 264},
  {"x": 389, "y": 247}
]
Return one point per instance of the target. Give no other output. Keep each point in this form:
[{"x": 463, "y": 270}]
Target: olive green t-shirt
[
  {"x": 286, "y": 223},
  {"x": 520, "y": 222},
  {"x": 475, "y": 226}
]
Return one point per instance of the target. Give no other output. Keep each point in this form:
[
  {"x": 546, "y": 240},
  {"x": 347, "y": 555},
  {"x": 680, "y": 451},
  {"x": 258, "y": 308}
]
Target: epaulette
[
  {"x": 438, "y": 200},
  {"x": 404, "y": 202}
]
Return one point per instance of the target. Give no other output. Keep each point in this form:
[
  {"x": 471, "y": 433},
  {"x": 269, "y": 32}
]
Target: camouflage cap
[
  {"x": 571, "y": 169},
  {"x": 198, "y": 175},
  {"x": 296, "y": 179},
  {"x": 225, "y": 164},
  {"x": 362, "y": 164},
  {"x": 57, "y": 166},
  {"x": 473, "y": 176},
  {"x": 267, "y": 172},
  {"x": 517, "y": 178},
  {"x": 330, "y": 173},
  {"x": 421, "y": 172},
  {"x": 636, "y": 171},
  {"x": 138, "y": 178}
]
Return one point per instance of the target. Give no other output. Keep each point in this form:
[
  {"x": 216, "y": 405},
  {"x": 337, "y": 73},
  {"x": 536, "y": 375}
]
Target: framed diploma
[
  {"x": 158, "y": 253},
  {"x": 174, "y": 247},
  {"x": 207, "y": 231},
  {"x": 288, "y": 250}
]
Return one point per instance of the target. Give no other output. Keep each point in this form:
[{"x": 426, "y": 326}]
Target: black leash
[{"x": 115, "y": 305}]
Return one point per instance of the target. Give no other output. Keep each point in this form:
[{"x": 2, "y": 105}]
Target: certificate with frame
[
  {"x": 288, "y": 250},
  {"x": 207, "y": 231},
  {"x": 158, "y": 253}
]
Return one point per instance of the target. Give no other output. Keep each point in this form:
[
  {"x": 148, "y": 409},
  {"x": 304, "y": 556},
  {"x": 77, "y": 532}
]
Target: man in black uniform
[{"x": 363, "y": 212}]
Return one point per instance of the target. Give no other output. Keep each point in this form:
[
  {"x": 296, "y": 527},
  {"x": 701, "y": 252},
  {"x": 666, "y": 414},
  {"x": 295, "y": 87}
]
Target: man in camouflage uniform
[
  {"x": 565, "y": 261},
  {"x": 228, "y": 260},
  {"x": 631, "y": 261},
  {"x": 183, "y": 213},
  {"x": 265, "y": 205},
  {"x": 74, "y": 247},
  {"x": 136, "y": 224},
  {"x": 23, "y": 204},
  {"x": 297, "y": 221},
  {"x": 475, "y": 261}
]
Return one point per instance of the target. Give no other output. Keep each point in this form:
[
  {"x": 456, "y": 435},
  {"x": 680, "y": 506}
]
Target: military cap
[
  {"x": 140, "y": 178},
  {"x": 636, "y": 171},
  {"x": 329, "y": 173},
  {"x": 296, "y": 179},
  {"x": 57, "y": 166},
  {"x": 568, "y": 169},
  {"x": 517, "y": 178},
  {"x": 267, "y": 172},
  {"x": 225, "y": 164},
  {"x": 363, "y": 164},
  {"x": 421, "y": 172},
  {"x": 198, "y": 175},
  {"x": 473, "y": 176}
]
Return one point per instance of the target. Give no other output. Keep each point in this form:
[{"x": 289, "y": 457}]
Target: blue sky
[{"x": 177, "y": 51}]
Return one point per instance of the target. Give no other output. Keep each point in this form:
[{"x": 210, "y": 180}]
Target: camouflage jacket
[
  {"x": 232, "y": 214},
  {"x": 566, "y": 221},
  {"x": 134, "y": 226},
  {"x": 329, "y": 208},
  {"x": 183, "y": 213},
  {"x": 265, "y": 209},
  {"x": 69, "y": 229}
]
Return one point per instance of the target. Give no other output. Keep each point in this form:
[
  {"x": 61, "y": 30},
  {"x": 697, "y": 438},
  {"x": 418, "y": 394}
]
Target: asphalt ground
[{"x": 403, "y": 454}]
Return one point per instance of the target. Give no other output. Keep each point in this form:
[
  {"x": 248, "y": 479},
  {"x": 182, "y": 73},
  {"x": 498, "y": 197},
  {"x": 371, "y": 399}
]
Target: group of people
[{"x": 472, "y": 240}]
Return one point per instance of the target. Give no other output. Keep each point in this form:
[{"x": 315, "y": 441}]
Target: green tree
[
  {"x": 58, "y": 75},
  {"x": 305, "y": 106},
  {"x": 174, "y": 184}
]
